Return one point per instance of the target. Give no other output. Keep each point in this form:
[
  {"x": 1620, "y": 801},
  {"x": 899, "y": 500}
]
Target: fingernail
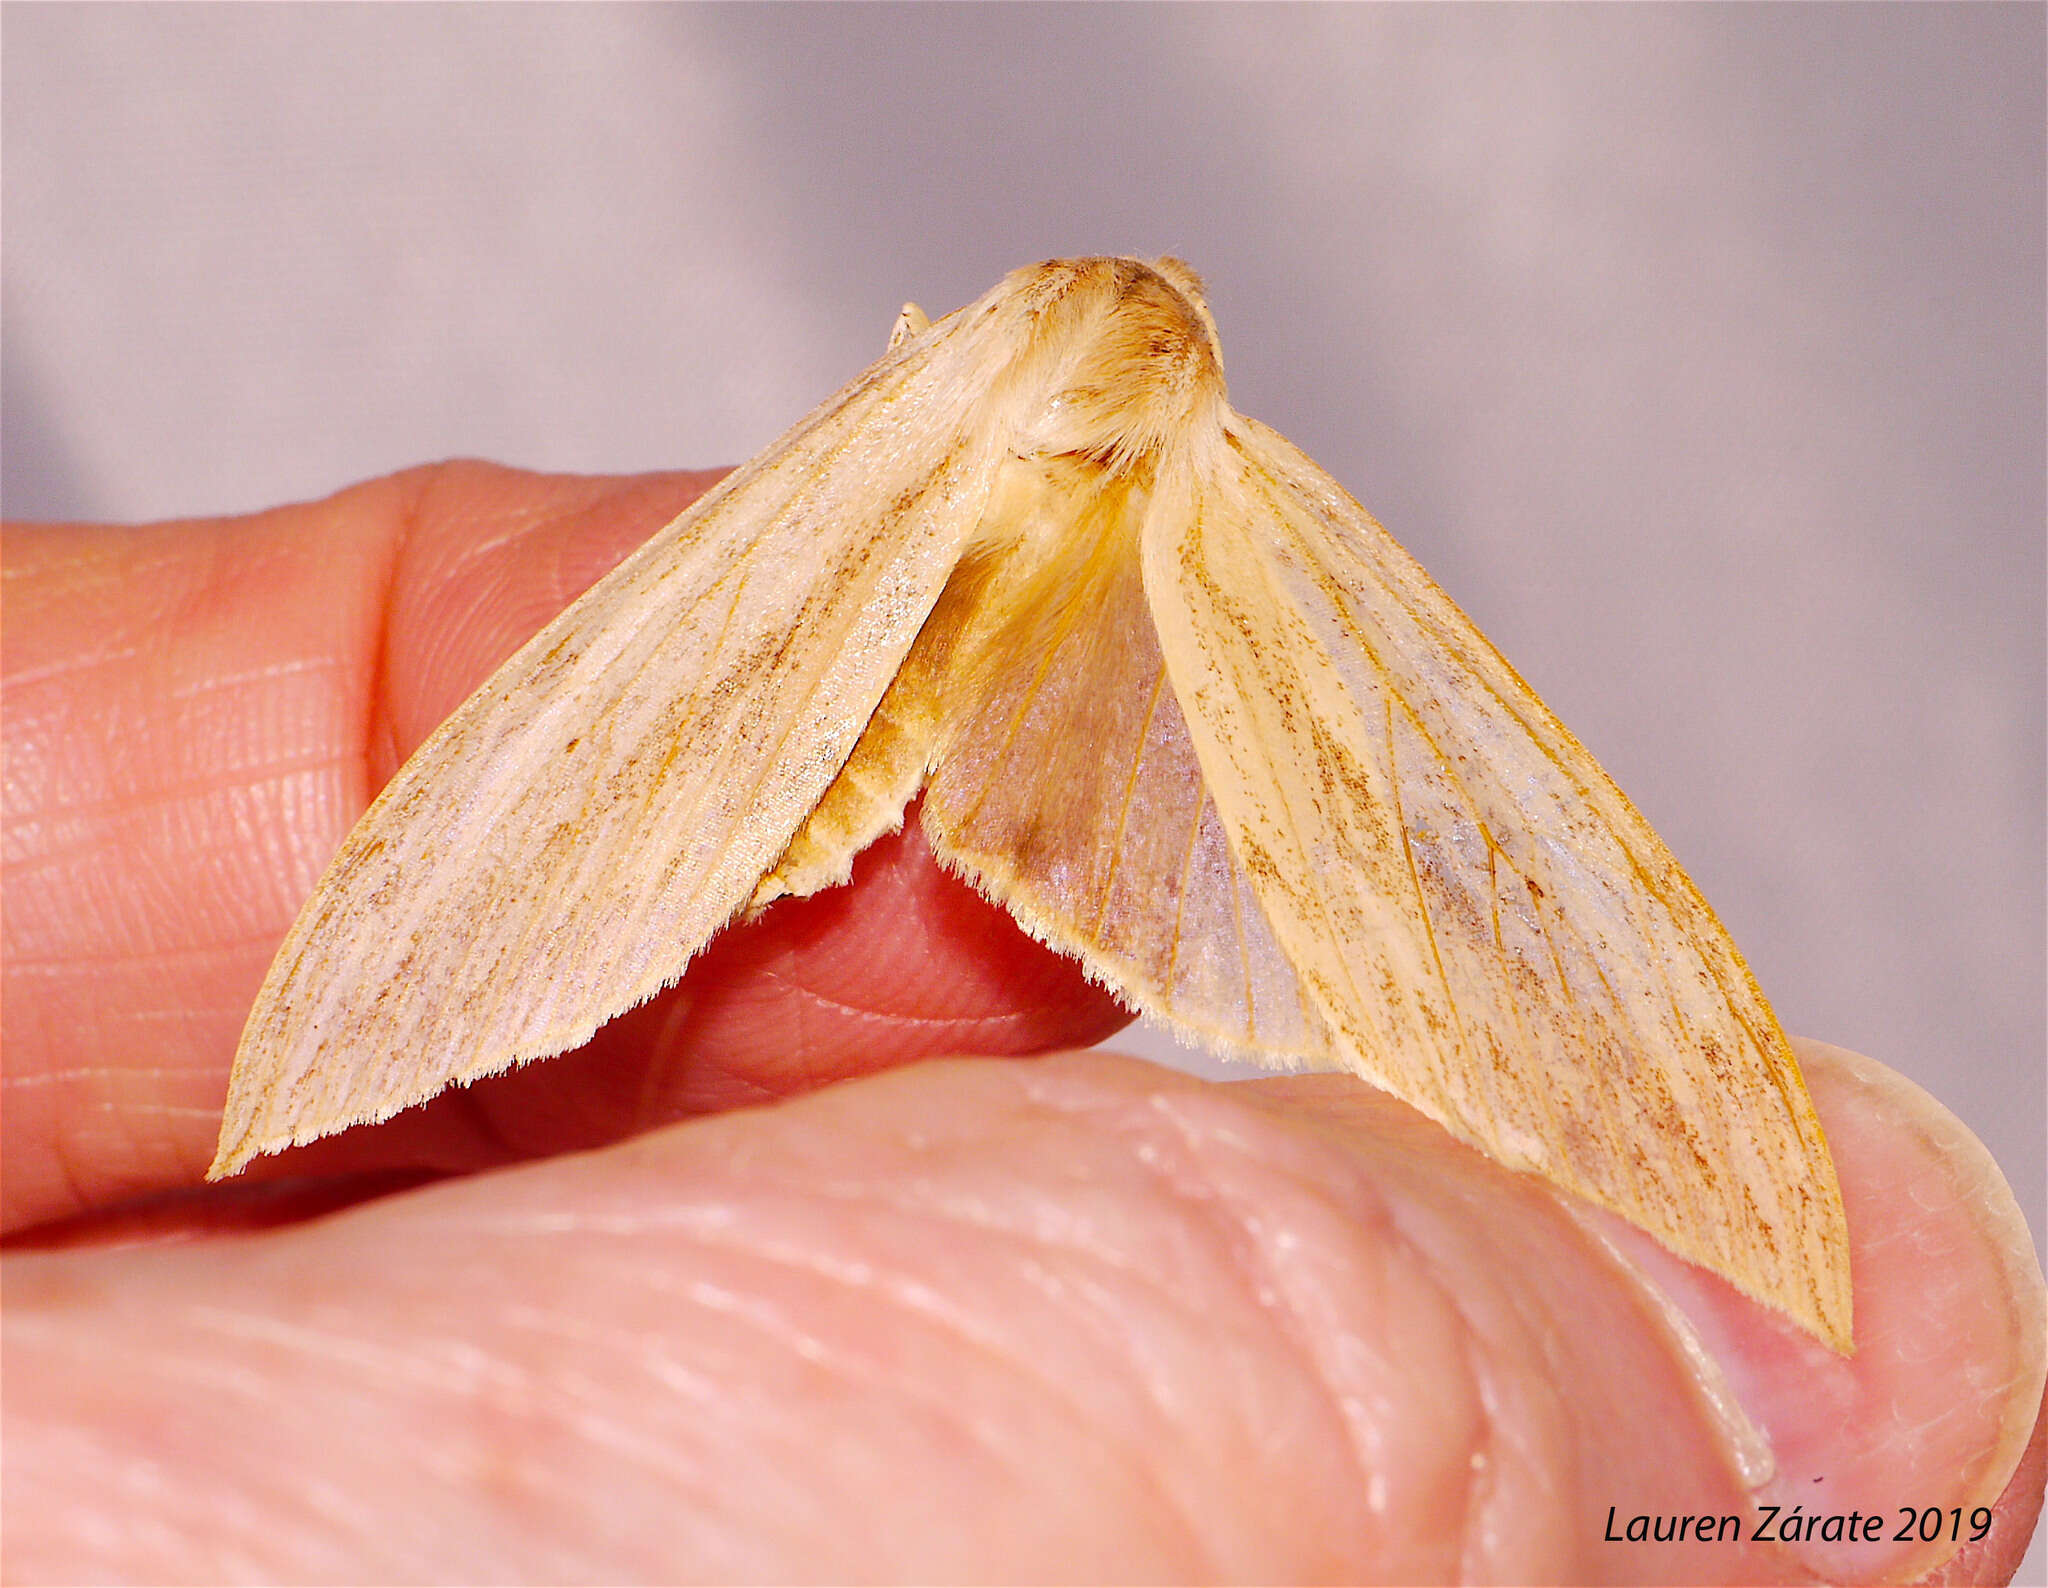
[{"x": 1882, "y": 1464}]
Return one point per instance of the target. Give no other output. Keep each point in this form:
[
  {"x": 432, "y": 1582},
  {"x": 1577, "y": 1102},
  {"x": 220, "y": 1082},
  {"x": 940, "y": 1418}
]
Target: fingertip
[
  {"x": 200, "y": 710},
  {"x": 904, "y": 962},
  {"x": 1924, "y": 1426},
  {"x": 485, "y": 557}
]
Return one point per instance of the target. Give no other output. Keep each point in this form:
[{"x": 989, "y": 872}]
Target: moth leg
[{"x": 910, "y": 321}]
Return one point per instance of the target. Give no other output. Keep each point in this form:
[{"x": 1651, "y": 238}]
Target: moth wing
[
  {"x": 1064, "y": 785},
  {"x": 561, "y": 846},
  {"x": 1034, "y": 710},
  {"x": 1487, "y": 926}
]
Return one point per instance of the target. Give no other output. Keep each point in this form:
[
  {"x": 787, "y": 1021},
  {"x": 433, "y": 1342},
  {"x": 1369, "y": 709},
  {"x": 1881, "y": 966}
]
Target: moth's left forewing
[
  {"x": 562, "y": 846},
  {"x": 1487, "y": 926}
]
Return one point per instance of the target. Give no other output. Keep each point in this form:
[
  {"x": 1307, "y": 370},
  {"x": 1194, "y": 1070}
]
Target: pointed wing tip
[
  {"x": 1830, "y": 1319},
  {"x": 229, "y": 1161},
  {"x": 240, "y": 1145},
  {"x": 1816, "y": 1297},
  {"x": 232, "y": 1148},
  {"x": 240, "y": 1140},
  {"x": 245, "y": 1136}
]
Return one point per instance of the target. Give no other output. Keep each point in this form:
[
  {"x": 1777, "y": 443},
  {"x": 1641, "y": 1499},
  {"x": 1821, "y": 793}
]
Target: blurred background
[{"x": 1698, "y": 351}]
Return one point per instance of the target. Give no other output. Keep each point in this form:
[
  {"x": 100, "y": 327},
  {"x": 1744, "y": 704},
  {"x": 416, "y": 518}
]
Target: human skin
[{"x": 747, "y": 1289}]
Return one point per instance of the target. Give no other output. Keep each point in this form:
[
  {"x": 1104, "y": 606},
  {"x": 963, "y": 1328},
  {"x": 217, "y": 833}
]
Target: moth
[{"x": 1169, "y": 695}]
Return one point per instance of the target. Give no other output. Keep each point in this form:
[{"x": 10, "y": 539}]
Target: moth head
[{"x": 1129, "y": 350}]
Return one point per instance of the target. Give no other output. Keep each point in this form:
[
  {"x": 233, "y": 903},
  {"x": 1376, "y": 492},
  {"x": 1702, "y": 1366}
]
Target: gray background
[{"x": 1698, "y": 351}]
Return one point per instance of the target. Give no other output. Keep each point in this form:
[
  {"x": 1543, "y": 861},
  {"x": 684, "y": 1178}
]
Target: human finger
[
  {"x": 196, "y": 714},
  {"x": 1078, "y": 1320}
]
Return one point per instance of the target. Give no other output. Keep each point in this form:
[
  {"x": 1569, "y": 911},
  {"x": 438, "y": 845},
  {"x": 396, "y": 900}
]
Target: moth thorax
[
  {"x": 1128, "y": 352},
  {"x": 1058, "y": 508}
]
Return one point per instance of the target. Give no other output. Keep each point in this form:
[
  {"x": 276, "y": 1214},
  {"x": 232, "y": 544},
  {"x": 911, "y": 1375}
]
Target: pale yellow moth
[{"x": 1172, "y": 697}]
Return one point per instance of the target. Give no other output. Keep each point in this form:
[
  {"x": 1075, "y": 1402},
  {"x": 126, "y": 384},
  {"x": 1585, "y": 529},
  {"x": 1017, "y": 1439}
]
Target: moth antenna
[{"x": 910, "y": 321}]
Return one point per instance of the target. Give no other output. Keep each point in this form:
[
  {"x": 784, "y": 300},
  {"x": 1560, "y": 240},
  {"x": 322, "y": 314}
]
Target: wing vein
[
  {"x": 1421, "y": 894},
  {"x": 1123, "y": 814}
]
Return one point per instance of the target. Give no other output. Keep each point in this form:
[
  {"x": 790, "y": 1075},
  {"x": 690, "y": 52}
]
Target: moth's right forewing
[
  {"x": 1488, "y": 927},
  {"x": 558, "y": 850}
]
